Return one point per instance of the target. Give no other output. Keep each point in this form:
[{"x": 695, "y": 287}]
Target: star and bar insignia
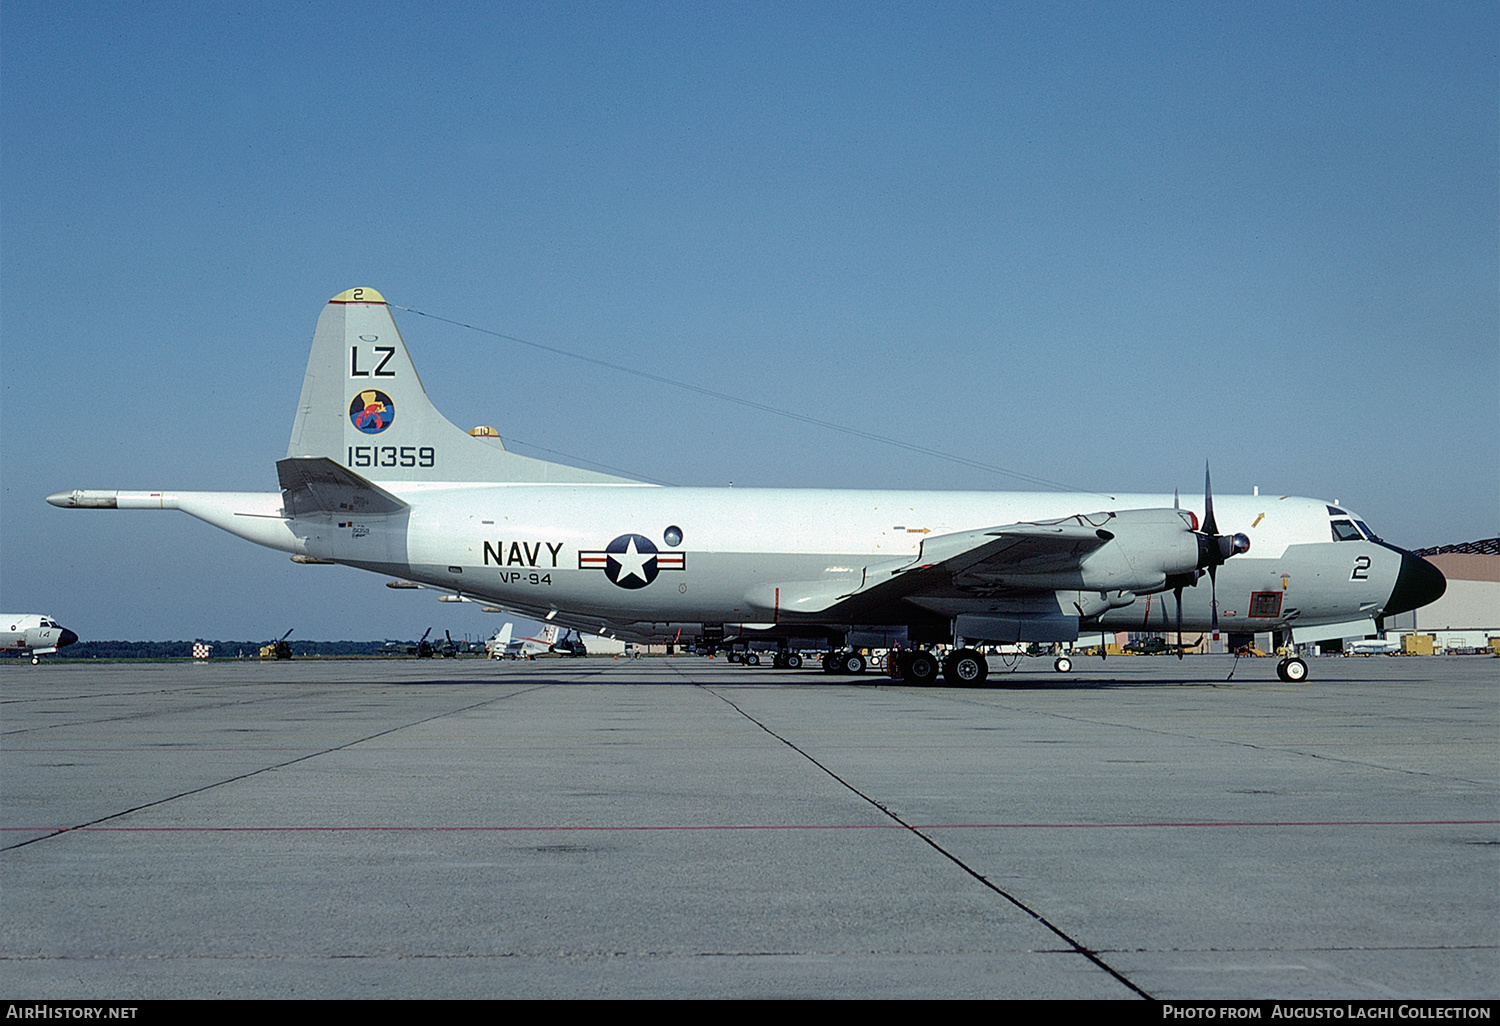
[{"x": 631, "y": 561}]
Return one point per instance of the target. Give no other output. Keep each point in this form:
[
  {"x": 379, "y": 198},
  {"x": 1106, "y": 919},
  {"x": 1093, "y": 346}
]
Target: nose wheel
[
  {"x": 1062, "y": 664},
  {"x": 1293, "y": 670}
]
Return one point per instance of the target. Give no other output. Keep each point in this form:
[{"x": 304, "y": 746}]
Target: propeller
[{"x": 1213, "y": 548}]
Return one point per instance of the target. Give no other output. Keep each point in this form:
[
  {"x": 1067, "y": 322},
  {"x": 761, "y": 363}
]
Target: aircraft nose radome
[
  {"x": 1417, "y": 583},
  {"x": 67, "y": 637}
]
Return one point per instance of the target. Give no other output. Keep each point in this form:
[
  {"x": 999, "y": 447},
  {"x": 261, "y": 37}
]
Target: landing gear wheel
[
  {"x": 921, "y": 668},
  {"x": 1293, "y": 670},
  {"x": 793, "y": 661},
  {"x": 966, "y": 668},
  {"x": 1062, "y": 664},
  {"x": 850, "y": 662}
]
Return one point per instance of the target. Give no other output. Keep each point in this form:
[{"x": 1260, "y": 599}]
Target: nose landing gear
[{"x": 1292, "y": 669}]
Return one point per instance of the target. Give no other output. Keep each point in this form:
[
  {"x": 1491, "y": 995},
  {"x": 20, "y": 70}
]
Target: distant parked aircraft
[{"x": 34, "y": 633}]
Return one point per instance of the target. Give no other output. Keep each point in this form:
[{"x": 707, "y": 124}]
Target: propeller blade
[
  {"x": 1213, "y": 593},
  {"x": 1210, "y": 525},
  {"x": 1178, "y": 592}
]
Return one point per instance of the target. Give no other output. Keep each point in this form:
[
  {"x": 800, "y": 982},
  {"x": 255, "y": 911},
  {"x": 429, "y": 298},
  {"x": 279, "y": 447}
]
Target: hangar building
[{"x": 1472, "y": 602}]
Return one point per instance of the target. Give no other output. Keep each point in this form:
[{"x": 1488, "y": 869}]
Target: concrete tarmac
[{"x": 680, "y": 827}]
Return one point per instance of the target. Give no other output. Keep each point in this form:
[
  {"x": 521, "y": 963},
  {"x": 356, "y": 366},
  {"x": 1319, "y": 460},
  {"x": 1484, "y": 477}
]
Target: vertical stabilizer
[{"x": 364, "y": 407}]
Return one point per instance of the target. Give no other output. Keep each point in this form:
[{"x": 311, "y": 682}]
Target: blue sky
[{"x": 1095, "y": 243}]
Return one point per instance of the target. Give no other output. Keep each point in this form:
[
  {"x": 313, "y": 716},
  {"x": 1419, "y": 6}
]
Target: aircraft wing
[
  {"x": 316, "y": 484},
  {"x": 1013, "y": 559},
  {"x": 1015, "y": 552}
]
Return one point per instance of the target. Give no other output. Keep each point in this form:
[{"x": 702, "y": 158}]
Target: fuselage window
[{"x": 1344, "y": 530}]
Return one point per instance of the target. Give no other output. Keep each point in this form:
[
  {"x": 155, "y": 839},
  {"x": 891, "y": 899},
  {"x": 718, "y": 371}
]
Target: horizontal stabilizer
[{"x": 315, "y": 484}]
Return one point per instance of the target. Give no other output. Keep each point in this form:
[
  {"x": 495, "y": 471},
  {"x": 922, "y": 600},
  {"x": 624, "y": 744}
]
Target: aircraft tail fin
[{"x": 364, "y": 407}]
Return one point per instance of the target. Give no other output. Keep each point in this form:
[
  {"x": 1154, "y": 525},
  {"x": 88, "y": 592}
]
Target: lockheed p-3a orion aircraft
[{"x": 376, "y": 478}]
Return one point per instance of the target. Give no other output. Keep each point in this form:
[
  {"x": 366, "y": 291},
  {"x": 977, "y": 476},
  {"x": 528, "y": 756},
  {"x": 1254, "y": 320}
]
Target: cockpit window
[
  {"x": 1366, "y": 529},
  {"x": 1344, "y": 530},
  {"x": 1337, "y": 512}
]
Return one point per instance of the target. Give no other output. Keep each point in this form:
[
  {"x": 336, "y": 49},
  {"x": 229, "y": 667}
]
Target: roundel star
[{"x": 632, "y": 561}]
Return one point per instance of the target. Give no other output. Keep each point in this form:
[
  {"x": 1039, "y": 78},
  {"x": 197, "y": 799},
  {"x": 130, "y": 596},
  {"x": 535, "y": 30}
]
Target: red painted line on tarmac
[{"x": 766, "y": 826}]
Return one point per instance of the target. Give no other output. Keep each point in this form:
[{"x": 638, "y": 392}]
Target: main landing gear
[
  {"x": 966, "y": 668},
  {"x": 963, "y": 668}
]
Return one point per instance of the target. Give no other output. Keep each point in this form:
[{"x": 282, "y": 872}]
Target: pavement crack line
[
  {"x": 266, "y": 769},
  {"x": 1074, "y": 946}
]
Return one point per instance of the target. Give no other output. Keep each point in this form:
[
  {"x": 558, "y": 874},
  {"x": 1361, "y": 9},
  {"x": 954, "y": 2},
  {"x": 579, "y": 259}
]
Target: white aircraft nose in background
[{"x": 34, "y": 633}]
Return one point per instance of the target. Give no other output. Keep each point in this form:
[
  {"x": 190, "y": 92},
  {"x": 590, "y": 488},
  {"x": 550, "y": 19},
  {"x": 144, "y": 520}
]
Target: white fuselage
[{"x": 536, "y": 549}]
